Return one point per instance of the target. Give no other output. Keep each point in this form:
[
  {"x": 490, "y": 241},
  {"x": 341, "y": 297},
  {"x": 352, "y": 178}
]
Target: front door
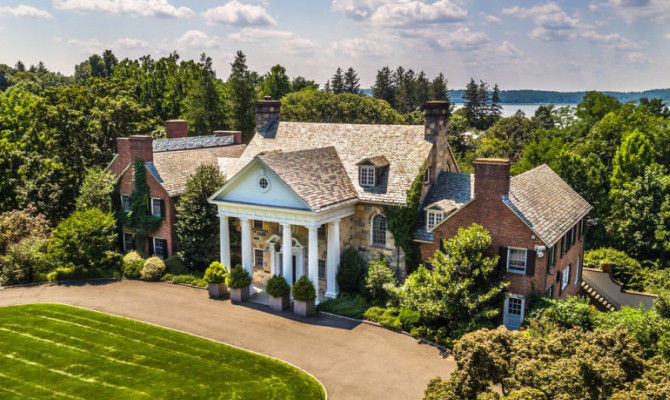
[
  {"x": 295, "y": 263},
  {"x": 513, "y": 312}
]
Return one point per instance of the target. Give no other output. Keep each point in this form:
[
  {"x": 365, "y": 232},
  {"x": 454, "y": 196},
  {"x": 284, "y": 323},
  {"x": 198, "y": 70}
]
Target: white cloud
[
  {"x": 552, "y": 23},
  {"x": 95, "y": 45},
  {"x": 464, "y": 39},
  {"x": 236, "y": 13},
  {"x": 275, "y": 41},
  {"x": 132, "y": 43},
  {"x": 195, "y": 39},
  {"x": 23, "y": 10},
  {"x": 362, "y": 47},
  {"x": 356, "y": 9},
  {"x": 641, "y": 10},
  {"x": 613, "y": 40},
  {"x": 92, "y": 45},
  {"x": 507, "y": 50},
  {"x": 637, "y": 58},
  {"x": 493, "y": 19},
  {"x": 137, "y": 8},
  {"x": 667, "y": 36},
  {"x": 401, "y": 12}
]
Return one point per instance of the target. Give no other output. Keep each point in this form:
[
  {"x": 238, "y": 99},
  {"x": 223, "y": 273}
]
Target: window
[
  {"x": 426, "y": 175},
  {"x": 322, "y": 268},
  {"x": 258, "y": 258},
  {"x": 128, "y": 243},
  {"x": 572, "y": 236},
  {"x": 565, "y": 278},
  {"x": 157, "y": 208},
  {"x": 516, "y": 260},
  {"x": 322, "y": 232},
  {"x": 367, "y": 175},
  {"x": 258, "y": 224},
  {"x": 514, "y": 306},
  {"x": 551, "y": 257},
  {"x": 160, "y": 247},
  {"x": 550, "y": 292},
  {"x": 582, "y": 223},
  {"x": 263, "y": 183},
  {"x": 577, "y": 272},
  {"x": 125, "y": 203},
  {"x": 379, "y": 230},
  {"x": 433, "y": 218}
]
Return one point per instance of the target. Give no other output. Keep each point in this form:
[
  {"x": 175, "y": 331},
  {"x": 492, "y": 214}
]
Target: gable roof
[
  {"x": 403, "y": 146},
  {"x": 315, "y": 175},
  {"x": 546, "y": 203},
  {"x": 377, "y": 161}
]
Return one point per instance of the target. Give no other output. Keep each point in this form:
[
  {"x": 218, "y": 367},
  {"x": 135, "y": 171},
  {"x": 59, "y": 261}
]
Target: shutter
[
  {"x": 162, "y": 208},
  {"x": 502, "y": 261},
  {"x": 151, "y": 246},
  {"x": 530, "y": 262}
]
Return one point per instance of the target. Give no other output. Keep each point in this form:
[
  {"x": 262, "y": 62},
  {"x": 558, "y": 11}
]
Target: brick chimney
[
  {"x": 236, "y": 135},
  {"x": 267, "y": 117},
  {"x": 491, "y": 178},
  {"x": 140, "y": 146},
  {"x": 176, "y": 128},
  {"x": 437, "y": 123}
]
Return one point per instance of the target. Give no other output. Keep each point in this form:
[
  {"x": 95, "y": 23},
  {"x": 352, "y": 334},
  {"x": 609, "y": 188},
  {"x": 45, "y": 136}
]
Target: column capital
[
  {"x": 244, "y": 219},
  {"x": 284, "y": 224},
  {"x": 313, "y": 226}
]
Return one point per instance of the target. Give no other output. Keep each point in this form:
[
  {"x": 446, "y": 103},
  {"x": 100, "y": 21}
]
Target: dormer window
[
  {"x": 367, "y": 175},
  {"x": 433, "y": 218},
  {"x": 371, "y": 170}
]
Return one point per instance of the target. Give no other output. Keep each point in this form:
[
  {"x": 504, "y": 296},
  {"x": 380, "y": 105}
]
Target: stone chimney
[
  {"x": 236, "y": 135},
  {"x": 491, "y": 178},
  {"x": 176, "y": 128},
  {"x": 437, "y": 123},
  {"x": 267, "y": 117}
]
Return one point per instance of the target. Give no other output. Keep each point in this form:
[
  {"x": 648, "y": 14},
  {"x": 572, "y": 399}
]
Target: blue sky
[{"x": 521, "y": 44}]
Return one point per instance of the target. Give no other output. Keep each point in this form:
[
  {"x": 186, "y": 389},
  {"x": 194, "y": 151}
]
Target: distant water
[{"x": 510, "y": 109}]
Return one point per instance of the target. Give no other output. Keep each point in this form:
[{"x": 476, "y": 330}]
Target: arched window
[{"x": 379, "y": 230}]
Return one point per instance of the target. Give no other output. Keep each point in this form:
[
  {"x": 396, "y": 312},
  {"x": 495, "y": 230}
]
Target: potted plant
[
  {"x": 238, "y": 281},
  {"x": 303, "y": 296},
  {"x": 215, "y": 277},
  {"x": 279, "y": 292}
]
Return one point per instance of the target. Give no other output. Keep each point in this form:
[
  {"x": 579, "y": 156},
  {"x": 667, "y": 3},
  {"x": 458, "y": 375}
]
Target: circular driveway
[{"x": 353, "y": 360}]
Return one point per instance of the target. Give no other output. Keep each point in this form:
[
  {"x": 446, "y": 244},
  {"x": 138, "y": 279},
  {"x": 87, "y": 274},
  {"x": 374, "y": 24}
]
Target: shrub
[
  {"x": 185, "y": 279},
  {"x": 23, "y": 262},
  {"x": 238, "y": 278},
  {"x": 175, "y": 266},
  {"x": 571, "y": 312},
  {"x": 277, "y": 286},
  {"x": 71, "y": 273},
  {"x": 215, "y": 273},
  {"x": 96, "y": 190},
  {"x": 303, "y": 289},
  {"x": 647, "y": 327},
  {"x": 351, "y": 274},
  {"x": 346, "y": 304},
  {"x": 387, "y": 317},
  {"x": 132, "y": 265},
  {"x": 662, "y": 306},
  {"x": 20, "y": 224},
  {"x": 379, "y": 277},
  {"x": 153, "y": 269},
  {"x": 409, "y": 318},
  {"x": 625, "y": 269}
]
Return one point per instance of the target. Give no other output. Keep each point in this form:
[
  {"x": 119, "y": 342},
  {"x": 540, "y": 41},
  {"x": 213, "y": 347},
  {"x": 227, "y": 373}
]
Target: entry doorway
[
  {"x": 294, "y": 262},
  {"x": 513, "y": 311}
]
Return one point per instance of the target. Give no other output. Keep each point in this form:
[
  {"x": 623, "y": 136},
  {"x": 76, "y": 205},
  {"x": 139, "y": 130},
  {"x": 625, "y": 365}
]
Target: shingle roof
[
  {"x": 175, "y": 167},
  {"x": 546, "y": 203},
  {"x": 403, "y": 146},
  {"x": 316, "y": 175},
  {"x": 377, "y": 161},
  {"x": 191, "y": 142}
]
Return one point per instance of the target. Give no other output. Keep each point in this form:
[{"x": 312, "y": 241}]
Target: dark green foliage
[
  {"x": 346, "y": 304},
  {"x": 351, "y": 273},
  {"x": 187, "y": 279},
  {"x": 387, "y": 317},
  {"x": 276, "y": 83},
  {"x": 96, "y": 190},
  {"x": 215, "y": 273},
  {"x": 572, "y": 312},
  {"x": 383, "y": 88},
  {"x": 238, "y": 278},
  {"x": 196, "y": 225},
  {"x": 175, "y": 266},
  {"x": 408, "y": 318},
  {"x": 625, "y": 269},
  {"x": 351, "y": 82},
  {"x": 303, "y": 289},
  {"x": 595, "y": 105},
  {"x": 242, "y": 97},
  {"x": 139, "y": 219},
  {"x": 132, "y": 265},
  {"x": 277, "y": 286},
  {"x": 337, "y": 82},
  {"x": 378, "y": 278},
  {"x": 204, "y": 107},
  {"x": 480, "y": 110}
]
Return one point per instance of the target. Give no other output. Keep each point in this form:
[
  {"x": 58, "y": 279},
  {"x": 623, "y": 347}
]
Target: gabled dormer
[
  {"x": 371, "y": 170},
  {"x": 437, "y": 211}
]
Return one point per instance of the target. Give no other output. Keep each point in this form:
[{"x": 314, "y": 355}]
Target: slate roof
[
  {"x": 191, "y": 142},
  {"x": 316, "y": 175},
  {"x": 403, "y": 146},
  {"x": 546, "y": 203}
]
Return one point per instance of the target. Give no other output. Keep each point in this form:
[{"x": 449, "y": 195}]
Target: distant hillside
[{"x": 552, "y": 97}]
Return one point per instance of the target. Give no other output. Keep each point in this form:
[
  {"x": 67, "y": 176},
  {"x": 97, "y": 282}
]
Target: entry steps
[{"x": 597, "y": 297}]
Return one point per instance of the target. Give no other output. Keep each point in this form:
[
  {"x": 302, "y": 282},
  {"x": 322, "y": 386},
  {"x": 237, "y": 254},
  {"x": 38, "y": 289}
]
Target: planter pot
[
  {"x": 239, "y": 295},
  {"x": 279, "y": 303},
  {"x": 217, "y": 290},
  {"x": 303, "y": 308}
]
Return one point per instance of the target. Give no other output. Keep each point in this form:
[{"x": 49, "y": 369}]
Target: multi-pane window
[
  {"x": 550, "y": 292},
  {"x": 516, "y": 260},
  {"x": 258, "y": 258},
  {"x": 565, "y": 278},
  {"x": 160, "y": 247},
  {"x": 433, "y": 218},
  {"x": 156, "y": 208},
  {"x": 322, "y": 268},
  {"x": 125, "y": 203},
  {"x": 367, "y": 175},
  {"x": 514, "y": 306},
  {"x": 379, "y": 230},
  {"x": 258, "y": 224},
  {"x": 551, "y": 257},
  {"x": 128, "y": 243},
  {"x": 577, "y": 272}
]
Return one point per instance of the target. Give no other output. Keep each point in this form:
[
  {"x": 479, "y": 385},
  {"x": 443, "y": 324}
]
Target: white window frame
[
  {"x": 256, "y": 259},
  {"x": 516, "y": 269},
  {"x": 438, "y": 216},
  {"x": 126, "y": 248},
  {"x": 577, "y": 272},
  {"x": 565, "y": 277},
  {"x": 165, "y": 253},
  {"x": 123, "y": 207},
  {"x": 372, "y": 232},
  {"x": 426, "y": 175},
  {"x": 153, "y": 207},
  {"x": 367, "y": 179}
]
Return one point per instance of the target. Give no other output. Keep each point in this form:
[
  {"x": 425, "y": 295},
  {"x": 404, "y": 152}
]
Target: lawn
[{"x": 56, "y": 351}]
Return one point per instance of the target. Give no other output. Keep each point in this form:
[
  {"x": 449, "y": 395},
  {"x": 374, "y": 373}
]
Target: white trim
[
  {"x": 285, "y": 215},
  {"x": 121, "y": 196},
  {"x": 436, "y": 222},
  {"x": 159, "y": 207},
  {"x": 259, "y": 185},
  {"x": 123, "y": 237},
  {"x": 153, "y": 239},
  {"x": 525, "y": 261},
  {"x": 565, "y": 273},
  {"x": 372, "y": 231},
  {"x": 426, "y": 175},
  {"x": 370, "y": 170},
  {"x": 577, "y": 272}
]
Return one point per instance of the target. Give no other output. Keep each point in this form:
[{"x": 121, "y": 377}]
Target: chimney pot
[
  {"x": 491, "y": 177},
  {"x": 176, "y": 128}
]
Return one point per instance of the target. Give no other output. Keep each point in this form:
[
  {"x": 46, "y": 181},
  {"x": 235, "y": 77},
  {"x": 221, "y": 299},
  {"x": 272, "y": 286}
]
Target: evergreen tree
[
  {"x": 243, "y": 97},
  {"x": 383, "y": 88},
  {"x": 275, "y": 83},
  {"x": 496, "y": 108},
  {"x": 20, "y": 66},
  {"x": 405, "y": 93},
  {"x": 337, "y": 82},
  {"x": 421, "y": 90},
  {"x": 298, "y": 83},
  {"x": 326, "y": 86},
  {"x": 110, "y": 61},
  {"x": 351, "y": 81},
  {"x": 472, "y": 102},
  {"x": 438, "y": 88},
  {"x": 205, "y": 110}
]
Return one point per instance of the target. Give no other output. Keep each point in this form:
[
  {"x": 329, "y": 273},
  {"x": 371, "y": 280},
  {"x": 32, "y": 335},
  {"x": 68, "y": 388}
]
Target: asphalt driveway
[{"x": 352, "y": 360}]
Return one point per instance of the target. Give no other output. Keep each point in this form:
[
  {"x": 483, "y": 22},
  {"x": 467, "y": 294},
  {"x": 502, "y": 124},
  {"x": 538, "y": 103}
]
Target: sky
[{"x": 566, "y": 45}]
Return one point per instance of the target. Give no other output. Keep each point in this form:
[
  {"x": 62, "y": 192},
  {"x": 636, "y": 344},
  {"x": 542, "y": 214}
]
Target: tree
[
  {"x": 20, "y": 66},
  {"x": 472, "y": 103},
  {"x": 110, "y": 61},
  {"x": 196, "y": 224},
  {"x": 595, "y": 105},
  {"x": 243, "y": 97},
  {"x": 299, "y": 83},
  {"x": 405, "y": 90},
  {"x": 204, "y": 107},
  {"x": 276, "y": 83},
  {"x": 544, "y": 116},
  {"x": 351, "y": 81},
  {"x": 96, "y": 190},
  {"x": 656, "y": 106},
  {"x": 337, "y": 82},
  {"x": 633, "y": 155},
  {"x": 495, "y": 110},
  {"x": 421, "y": 90},
  {"x": 17, "y": 225},
  {"x": 383, "y": 88},
  {"x": 438, "y": 88}
]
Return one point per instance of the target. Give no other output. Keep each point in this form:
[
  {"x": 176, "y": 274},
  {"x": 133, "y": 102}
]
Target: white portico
[{"x": 306, "y": 189}]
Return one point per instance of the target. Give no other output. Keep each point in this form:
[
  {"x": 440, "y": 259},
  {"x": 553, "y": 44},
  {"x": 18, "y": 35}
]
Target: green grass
[{"x": 55, "y": 351}]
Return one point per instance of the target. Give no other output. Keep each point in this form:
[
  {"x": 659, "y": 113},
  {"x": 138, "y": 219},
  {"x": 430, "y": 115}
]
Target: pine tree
[
  {"x": 351, "y": 81},
  {"x": 438, "y": 88},
  {"x": 204, "y": 108},
  {"x": 421, "y": 90},
  {"x": 20, "y": 66},
  {"x": 383, "y": 88},
  {"x": 337, "y": 82},
  {"x": 243, "y": 97},
  {"x": 495, "y": 109},
  {"x": 405, "y": 92},
  {"x": 326, "y": 86}
]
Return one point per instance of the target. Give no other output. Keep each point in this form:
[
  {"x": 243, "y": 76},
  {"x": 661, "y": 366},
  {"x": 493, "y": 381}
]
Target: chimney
[
  {"x": 236, "y": 135},
  {"x": 140, "y": 146},
  {"x": 437, "y": 123},
  {"x": 491, "y": 178},
  {"x": 176, "y": 128},
  {"x": 267, "y": 117}
]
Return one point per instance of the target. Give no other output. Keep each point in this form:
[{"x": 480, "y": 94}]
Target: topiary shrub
[
  {"x": 215, "y": 273},
  {"x": 238, "y": 278},
  {"x": 303, "y": 289},
  {"x": 153, "y": 269},
  {"x": 377, "y": 281},
  {"x": 277, "y": 286},
  {"x": 175, "y": 266},
  {"x": 351, "y": 274},
  {"x": 132, "y": 265}
]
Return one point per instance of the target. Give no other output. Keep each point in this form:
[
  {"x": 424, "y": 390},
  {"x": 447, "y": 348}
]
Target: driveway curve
[{"x": 353, "y": 360}]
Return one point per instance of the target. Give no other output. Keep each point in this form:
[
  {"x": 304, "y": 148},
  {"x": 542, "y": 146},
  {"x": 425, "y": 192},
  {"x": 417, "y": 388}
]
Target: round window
[{"x": 263, "y": 183}]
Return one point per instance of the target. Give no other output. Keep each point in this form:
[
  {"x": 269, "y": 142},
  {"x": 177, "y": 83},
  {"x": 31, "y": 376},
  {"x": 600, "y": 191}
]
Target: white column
[
  {"x": 333, "y": 258},
  {"x": 313, "y": 256},
  {"x": 287, "y": 253},
  {"x": 225, "y": 242},
  {"x": 246, "y": 245}
]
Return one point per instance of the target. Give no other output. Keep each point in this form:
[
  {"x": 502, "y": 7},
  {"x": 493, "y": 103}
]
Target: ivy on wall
[
  {"x": 401, "y": 221},
  {"x": 139, "y": 219}
]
